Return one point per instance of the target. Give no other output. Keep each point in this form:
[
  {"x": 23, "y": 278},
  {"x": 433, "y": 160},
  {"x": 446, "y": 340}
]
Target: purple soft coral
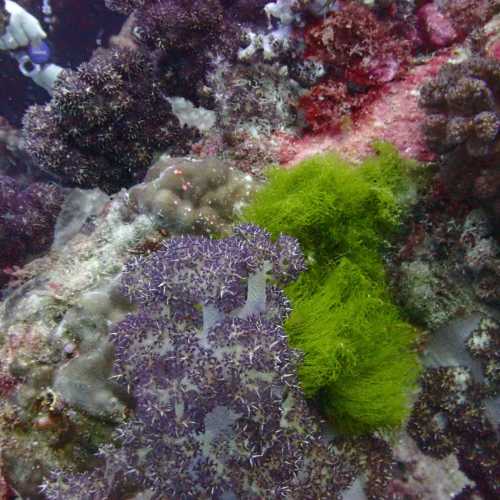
[
  {"x": 218, "y": 412},
  {"x": 27, "y": 220},
  {"x": 105, "y": 122}
]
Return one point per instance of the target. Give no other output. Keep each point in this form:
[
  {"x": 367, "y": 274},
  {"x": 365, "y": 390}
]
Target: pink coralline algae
[
  {"x": 443, "y": 22},
  {"x": 394, "y": 116},
  {"x": 468, "y": 15},
  {"x": 438, "y": 30}
]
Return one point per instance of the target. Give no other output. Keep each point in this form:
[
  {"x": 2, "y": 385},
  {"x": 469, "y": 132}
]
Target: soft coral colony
[
  {"x": 218, "y": 408},
  {"x": 204, "y": 327}
]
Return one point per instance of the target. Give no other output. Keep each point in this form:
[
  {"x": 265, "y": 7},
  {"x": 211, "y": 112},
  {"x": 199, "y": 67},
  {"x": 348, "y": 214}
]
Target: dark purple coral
[
  {"x": 218, "y": 411},
  {"x": 105, "y": 122},
  {"x": 186, "y": 35},
  {"x": 449, "y": 417},
  {"x": 187, "y": 26},
  {"x": 463, "y": 126},
  {"x": 27, "y": 220}
]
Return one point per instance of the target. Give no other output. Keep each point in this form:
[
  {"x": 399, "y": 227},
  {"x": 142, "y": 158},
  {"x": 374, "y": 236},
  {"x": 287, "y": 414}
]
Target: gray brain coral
[{"x": 192, "y": 195}]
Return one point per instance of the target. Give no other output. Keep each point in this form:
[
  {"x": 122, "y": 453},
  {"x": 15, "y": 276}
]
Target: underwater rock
[
  {"x": 432, "y": 292},
  {"x": 423, "y": 476}
]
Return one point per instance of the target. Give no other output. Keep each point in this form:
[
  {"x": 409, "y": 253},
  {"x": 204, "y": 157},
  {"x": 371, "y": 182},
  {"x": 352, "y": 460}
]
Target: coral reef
[
  {"x": 463, "y": 126},
  {"x": 27, "y": 219},
  {"x": 394, "y": 116},
  {"x": 193, "y": 196},
  {"x": 350, "y": 117},
  {"x": 175, "y": 377},
  {"x": 342, "y": 217},
  {"x": 186, "y": 36},
  {"x": 218, "y": 411},
  {"x": 105, "y": 122},
  {"x": 54, "y": 320},
  {"x": 448, "y": 262}
]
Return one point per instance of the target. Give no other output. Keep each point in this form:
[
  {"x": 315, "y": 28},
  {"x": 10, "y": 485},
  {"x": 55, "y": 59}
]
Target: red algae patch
[{"x": 394, "y": 117}]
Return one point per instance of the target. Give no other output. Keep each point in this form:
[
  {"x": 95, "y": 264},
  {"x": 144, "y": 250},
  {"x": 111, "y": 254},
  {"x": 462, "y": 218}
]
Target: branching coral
[
  {"x": 105, "y": 122},
  {"x": 464, "y": 127},
  {"x": 218, "y": 411},
  {"x": 27, "y": 219},
  {"x": 358, "y": 349}
]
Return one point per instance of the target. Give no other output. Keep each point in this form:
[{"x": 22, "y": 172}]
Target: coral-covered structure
[
  {"x": 27, "y": 219},
  {"x": 218, "y": 411},
  {"x": 462, "y": 102},
  {"x": 463, "y": 126},
  {"x": 105, "y": 122},
  {"x": 187, "y": 35}
]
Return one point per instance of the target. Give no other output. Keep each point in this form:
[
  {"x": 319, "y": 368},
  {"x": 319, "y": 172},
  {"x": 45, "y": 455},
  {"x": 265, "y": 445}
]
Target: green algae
[{"x": 359, "y": 358}]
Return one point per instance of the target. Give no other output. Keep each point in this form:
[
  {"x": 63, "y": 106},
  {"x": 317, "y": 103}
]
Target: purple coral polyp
[
  {"x": 27, "y": 220},
  {"x": 218, "y": 410}
]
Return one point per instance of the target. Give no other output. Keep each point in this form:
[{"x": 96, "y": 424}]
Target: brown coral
[{"x": 463, "y": 126}]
